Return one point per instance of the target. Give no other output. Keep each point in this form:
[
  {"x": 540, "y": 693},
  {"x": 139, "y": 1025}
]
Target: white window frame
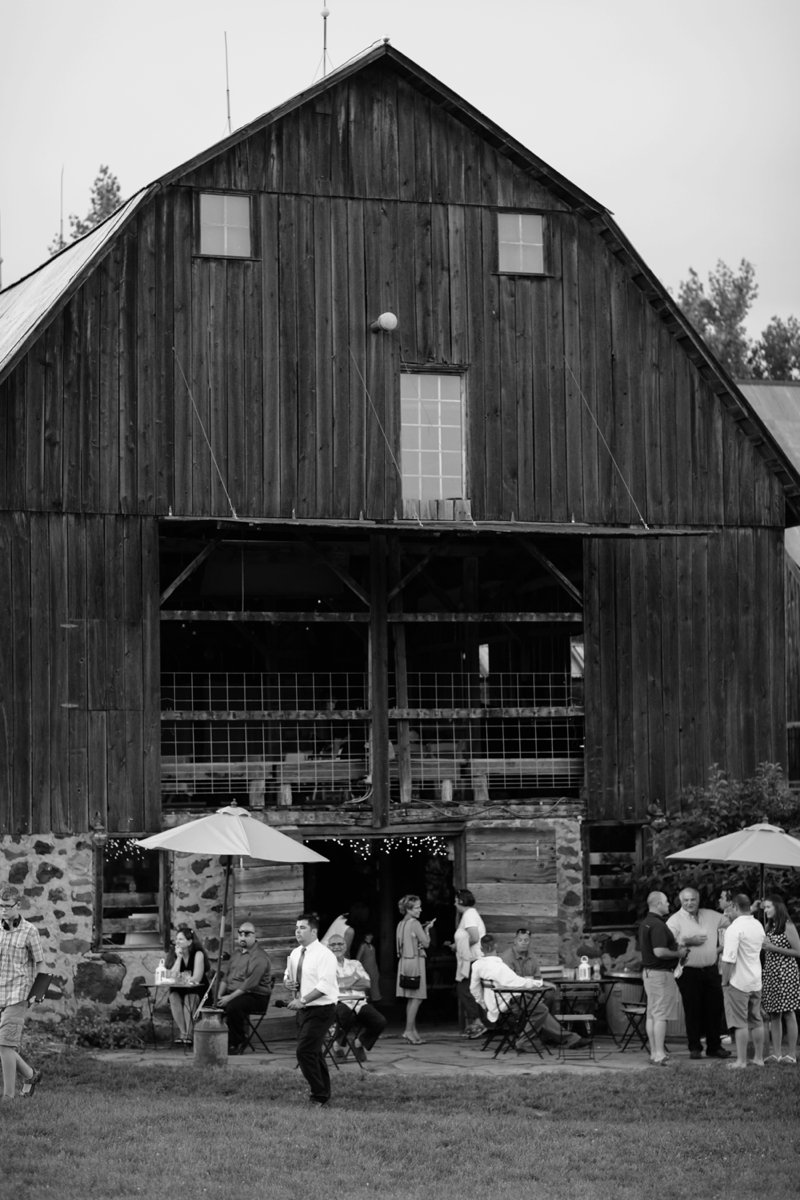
[
  {"x": 428, "y": 450},
  {"x": 520, "y": 235},
  {"x": 223, "y": 218}
]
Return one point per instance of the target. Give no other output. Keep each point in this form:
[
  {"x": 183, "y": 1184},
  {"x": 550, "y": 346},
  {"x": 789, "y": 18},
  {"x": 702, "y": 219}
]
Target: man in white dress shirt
[
  {"x": 311, "y": 976},
  {"x": 699, "y": 982}
]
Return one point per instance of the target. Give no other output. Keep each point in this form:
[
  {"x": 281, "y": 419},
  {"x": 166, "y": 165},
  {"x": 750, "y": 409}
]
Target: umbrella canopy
[
  {"x": 231, "y": 831},
  {"x": 766, "y": 845},
  {"x": 763, "y": 844}
]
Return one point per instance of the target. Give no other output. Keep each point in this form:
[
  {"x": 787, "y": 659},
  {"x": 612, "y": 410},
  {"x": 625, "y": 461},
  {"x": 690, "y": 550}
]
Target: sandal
[
  {"x": 788, "y": 1058},
  {"x": 29, "y": 1086},
  {"x": 773, "y": 1058}
]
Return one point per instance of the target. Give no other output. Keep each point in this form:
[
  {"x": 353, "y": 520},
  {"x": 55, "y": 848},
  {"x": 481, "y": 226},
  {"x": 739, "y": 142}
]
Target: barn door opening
[{"x": 366, "y": 877}]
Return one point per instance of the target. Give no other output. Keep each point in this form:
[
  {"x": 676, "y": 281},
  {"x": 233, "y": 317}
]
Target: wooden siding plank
[
  {"x": 77, "y": 689},
  {"x": 616, "y": 427},
  {"x": 344, "y": 386},
  {"x": 288, "y": 250},
  {"x": 185, "y": 328},
  {"x": 150, "y": 667},
  {"x": 703, "y": 628},
  {"x": 524, "y": 319},
  {"x": 127, "y": 500},
  {"x": 252, "y": 417},
  {"x": 636, "y": 691},
  {"x": 53, "y": 431},
  {"x": 492, "y": 488},
  {"x": 542, "y": 375},
  {"x": 557, "y": 391},
  {"x": 509, "y": 401},
  {"x": 657, "y": 622},
  {"x": 40, "y": 710},
  {"x": 22, "y": 815},
  {"x": 89, "y": 391},
  {"x": 164, "y": 309},
  {"x": 476, "y": 274},
  {"x": 74, "y": 401},
  {"x": 577, "y": 379},
  {"x": 8, "y": 711},
  {"x": 357, "y": 351},
  {"x": 237, "y": 402},
  {"x": 58, "y": 695},
  {"x": 271, "y": 362},
  {"x": 325, "y": 303},
  {"x": 145, "y": 415},
  {"x": 625, "y": 696},
  {"x": 591, "y": 348},
  {"x": 218, "y": 457},
  {"x": 423, "y": 183},
  {"x": 670, "y": 671},
  {"x": 423, "y": 261},
  {"x": 306, "y": 431}
]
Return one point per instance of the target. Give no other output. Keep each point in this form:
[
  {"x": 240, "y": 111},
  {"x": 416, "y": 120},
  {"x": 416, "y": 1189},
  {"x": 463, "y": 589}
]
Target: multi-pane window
[
  {"x": 225, "y": 225},
  {"x": 432, "y": 436},
  {"x": 520, "y": 243}
]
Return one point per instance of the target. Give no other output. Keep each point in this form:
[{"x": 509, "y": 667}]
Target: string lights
[{"x": 428, "y": 845}]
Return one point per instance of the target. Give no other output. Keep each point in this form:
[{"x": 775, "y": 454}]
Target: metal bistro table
[
  {"x": 514, "y": 1027},
  {"x": 152, "y": 999}
]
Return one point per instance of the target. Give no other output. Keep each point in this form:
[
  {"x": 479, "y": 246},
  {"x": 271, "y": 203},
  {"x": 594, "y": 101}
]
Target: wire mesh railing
[{"x": 259, "y": 734}]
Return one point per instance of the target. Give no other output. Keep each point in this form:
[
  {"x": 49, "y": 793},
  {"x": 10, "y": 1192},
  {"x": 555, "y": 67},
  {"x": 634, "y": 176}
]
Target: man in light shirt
[
  {"x": 741, "y": 981},
  {"x": 489, "y": 972},
  {"x": 699, "y": 982},
  {"x": 311, "y": 977}
]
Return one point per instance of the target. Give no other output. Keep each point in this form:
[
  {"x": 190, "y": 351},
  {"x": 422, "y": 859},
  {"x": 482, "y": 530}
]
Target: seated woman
[{"x": 188, "y": 969}]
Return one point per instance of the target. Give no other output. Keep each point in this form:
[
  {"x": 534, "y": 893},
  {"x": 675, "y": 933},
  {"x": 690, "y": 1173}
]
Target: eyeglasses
[{"x": 246, "y": 932}]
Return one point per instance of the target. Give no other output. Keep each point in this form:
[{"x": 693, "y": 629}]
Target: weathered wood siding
[
  {"x": 79, "y": 661},
  {"x": 512, "y": 872},
  {"x": 684, "y": 664},
  {"x": 373, "y": 200},
  {"x": 271, "y": 896}
]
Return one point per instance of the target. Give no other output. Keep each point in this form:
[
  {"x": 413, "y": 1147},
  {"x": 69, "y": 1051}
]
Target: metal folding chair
[
  {"x": 334, "y": 1037},
  {"x": 252, "y": 1025},
  {"x": 636, "y": 1017}
]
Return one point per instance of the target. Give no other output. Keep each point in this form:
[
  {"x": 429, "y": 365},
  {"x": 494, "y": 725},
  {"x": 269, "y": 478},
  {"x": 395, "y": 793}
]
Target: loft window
[
  {"x": 131, "y": 890},
  {"x": 432, "y": 436},
  {"x": 520, "y": 243},
  {"x": 225, "y": 225}
]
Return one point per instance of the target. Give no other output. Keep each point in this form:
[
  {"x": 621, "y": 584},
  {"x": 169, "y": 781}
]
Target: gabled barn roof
[
  {"x": 27, "y": 306},
  {"x": 31, "y": 303}
]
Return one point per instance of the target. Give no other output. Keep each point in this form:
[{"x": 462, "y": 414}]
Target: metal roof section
[
  {"x": 31, "y": 301},
  {"x": 778, "y": 406}
]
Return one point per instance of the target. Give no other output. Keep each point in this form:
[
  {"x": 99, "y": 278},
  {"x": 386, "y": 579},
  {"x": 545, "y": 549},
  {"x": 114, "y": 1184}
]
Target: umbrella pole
[{"x": 222, "y": 923}]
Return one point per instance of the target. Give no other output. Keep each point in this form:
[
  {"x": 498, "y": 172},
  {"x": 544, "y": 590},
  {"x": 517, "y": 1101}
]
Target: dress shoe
[
  {"x": 697, "y": 1054},
  {"x": 360, "y": 1053},
  {"x": 721, "y": 1052}
]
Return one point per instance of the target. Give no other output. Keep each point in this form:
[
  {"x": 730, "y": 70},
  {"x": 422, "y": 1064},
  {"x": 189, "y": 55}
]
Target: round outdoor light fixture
[{"x": 385, "y": 323}]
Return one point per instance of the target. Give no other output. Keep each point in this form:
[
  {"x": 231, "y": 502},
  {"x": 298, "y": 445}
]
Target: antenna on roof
[
  {"x": 325, "y": 13},
  {"x": 61, "y": 212},
  {"x": 227, "y": 83}
]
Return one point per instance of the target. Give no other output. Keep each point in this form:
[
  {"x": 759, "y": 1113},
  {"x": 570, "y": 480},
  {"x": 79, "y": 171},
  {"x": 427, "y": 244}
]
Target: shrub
[{"x": 88, "y": 1027}]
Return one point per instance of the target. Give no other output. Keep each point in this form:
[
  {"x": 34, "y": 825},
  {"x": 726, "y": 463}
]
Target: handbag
[{"x": 410, "y": 983}]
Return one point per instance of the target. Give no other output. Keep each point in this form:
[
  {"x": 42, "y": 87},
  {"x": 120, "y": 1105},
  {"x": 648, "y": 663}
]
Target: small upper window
[
  {"x": 520, "y": 243},
  {"x": 225, "y": 225}
]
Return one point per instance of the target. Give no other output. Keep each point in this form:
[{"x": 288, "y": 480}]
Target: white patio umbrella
[
  {"x": 231, "y": 831},
  {"x": 763, "y": 845}
]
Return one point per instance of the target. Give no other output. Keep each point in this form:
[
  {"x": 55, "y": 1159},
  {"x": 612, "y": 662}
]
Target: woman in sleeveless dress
[
  {"x": 413, "y": 940},
  {"x": 780, "y": 987}
]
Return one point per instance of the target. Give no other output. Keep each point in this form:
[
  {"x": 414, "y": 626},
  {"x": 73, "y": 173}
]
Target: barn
[{"x": 359, "y": 471}]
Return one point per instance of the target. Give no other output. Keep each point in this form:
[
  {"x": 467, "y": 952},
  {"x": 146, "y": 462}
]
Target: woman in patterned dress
[{"x": 780, "y": 989}]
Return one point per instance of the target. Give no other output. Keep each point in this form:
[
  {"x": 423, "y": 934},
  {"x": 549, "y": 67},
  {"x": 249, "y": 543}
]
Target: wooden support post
[
  {"x": 379, "y": 680},
  {"x": 401, "y": 685}
]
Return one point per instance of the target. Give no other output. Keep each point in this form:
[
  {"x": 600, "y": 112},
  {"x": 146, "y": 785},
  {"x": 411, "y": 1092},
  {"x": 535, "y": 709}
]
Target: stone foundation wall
[{"x": 55, "y": 878}]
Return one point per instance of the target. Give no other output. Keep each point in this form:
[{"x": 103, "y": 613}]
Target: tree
[
  {"x": 776, "y": 355},
  {"x": 719, "y": 314},
  {"x": 105, "y": 199}
]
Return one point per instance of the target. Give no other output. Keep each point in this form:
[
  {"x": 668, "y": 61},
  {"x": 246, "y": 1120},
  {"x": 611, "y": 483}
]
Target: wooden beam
[
  {"x": 552, "y": 569},
  {"x": 345, "y": 576},
  {"x": 405, "y": 618},
  {"x": 196, "y": 562},
  {"x": 379, "y": 680}
]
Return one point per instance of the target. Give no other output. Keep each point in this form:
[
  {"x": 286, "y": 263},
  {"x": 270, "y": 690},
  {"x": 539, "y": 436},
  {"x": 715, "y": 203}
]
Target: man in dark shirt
[
  {"x": 518, "y": 956},
  {"x": 246, "y": 985},
  {"x": 660, "y": 957}
]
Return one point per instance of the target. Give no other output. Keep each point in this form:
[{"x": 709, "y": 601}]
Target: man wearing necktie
[{"x": 311, "y": 977}]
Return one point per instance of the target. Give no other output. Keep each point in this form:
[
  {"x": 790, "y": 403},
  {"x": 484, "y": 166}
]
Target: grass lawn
[{"x": 113, "y": 1131}]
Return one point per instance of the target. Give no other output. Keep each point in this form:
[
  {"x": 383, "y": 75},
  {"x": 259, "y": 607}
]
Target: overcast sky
[{"x": 680, "y": 116}]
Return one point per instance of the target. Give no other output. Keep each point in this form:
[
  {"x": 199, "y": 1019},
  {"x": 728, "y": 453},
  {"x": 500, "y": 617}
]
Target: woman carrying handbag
[{"x": 413, "y": 940}]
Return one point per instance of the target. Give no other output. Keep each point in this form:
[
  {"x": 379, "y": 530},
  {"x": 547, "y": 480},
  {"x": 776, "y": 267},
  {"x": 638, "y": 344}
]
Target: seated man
[
  {"x": 519, "y": 958},
  {"x": 491, "y": 970},
  {"x": 246, "y": 985},
  {"x": 353, "y": 1010}
]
